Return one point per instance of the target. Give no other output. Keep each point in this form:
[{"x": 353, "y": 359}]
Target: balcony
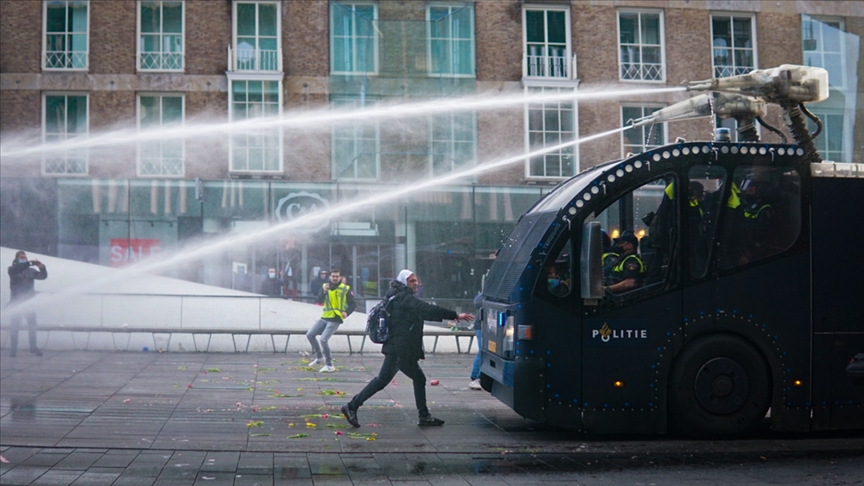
[
  {"x": 73, "y": 60},
  {"x": 556, "y": 65},
  {"x": 248, "y": 59},
  {"x": 160, "y": 61}
]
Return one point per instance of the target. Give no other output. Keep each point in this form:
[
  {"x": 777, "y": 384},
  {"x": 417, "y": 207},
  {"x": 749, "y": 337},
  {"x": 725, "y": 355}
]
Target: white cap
[{"x": 403, "y": 276}]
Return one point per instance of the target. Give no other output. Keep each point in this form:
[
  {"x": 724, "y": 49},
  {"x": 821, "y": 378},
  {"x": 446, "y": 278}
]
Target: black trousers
[{"x": 393, "y": 364}]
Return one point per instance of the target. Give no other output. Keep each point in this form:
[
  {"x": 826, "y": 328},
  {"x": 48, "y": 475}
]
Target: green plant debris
[
  {"x": 259, "y": 435},
  {"x": 337, "y": 426},
  {"x": 297, "y": 436},
  {"x": 331, "y": 392},
  {"x": 359, "y": 435},
  {"x": 213, "y": 370},
  {"x": 254, "y": 423},
  {"x": 263, "y": 370},
  {"x": 320, "y": 379},
  {"x": 266, "y": 408},
  {"x": 182, "y": 367}
]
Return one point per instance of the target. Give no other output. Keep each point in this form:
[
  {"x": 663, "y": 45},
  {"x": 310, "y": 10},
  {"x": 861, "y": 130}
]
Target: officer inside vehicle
[{"x": 629, "y": 273}]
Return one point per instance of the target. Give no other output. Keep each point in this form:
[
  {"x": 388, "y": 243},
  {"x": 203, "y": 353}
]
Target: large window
[
  {"x": 353, "y": 38},
  {"x": 65, "y": 118},
  {"x": 734, "y": 42},
  {"x": 829, "y": 143},
  {"x": 551, "y": 124},
  {"x": 640, "y": 43},
  {"x": 161, "y": 157},
  {"x": 65, "y": 43},
  {"x": 160, "y": 45},
  {"x": 763, "y": 217},
  {"x": 451, "y": 40},
  {"x": 256, "y": 37},
  {"x": 453, "y": 142},
  {"x": 824, "y": 46},
  {"x": 547, "y": 43},
  {"x": 643, "y": 138},
  {"x": 255, "y": 149},
  {"x": 355, "y": 150}
]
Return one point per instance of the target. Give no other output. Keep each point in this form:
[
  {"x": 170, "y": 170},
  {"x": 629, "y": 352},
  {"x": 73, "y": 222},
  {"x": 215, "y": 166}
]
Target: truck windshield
[{"x": 565, "y": 191}]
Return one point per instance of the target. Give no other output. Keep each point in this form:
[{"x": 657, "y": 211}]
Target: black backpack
[{"x": 376, "y": 322}]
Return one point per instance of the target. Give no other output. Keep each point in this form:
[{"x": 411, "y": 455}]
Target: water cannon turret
[
  {"x": 789, "y": 82},
  {"x": 724, "y": 105},
  {"x": 789, "y": 86}
]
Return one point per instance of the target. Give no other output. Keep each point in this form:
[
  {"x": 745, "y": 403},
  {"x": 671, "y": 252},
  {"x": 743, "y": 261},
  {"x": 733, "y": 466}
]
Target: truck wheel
[
  {"x": 486, "y": 382},
  {"x": 719, "y": 387}
]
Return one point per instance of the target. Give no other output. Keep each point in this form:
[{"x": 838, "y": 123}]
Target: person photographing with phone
[{"x": 22, "y": 275}]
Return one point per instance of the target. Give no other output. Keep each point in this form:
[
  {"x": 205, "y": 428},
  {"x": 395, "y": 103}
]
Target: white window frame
[
  {"x": 234, "y": 56},
  {"x": 638, "y": 45},
  {"x": 375, "y": 43},
  {"x": 846, "y": 133},
  {"x": 45, "y": 34},
  {"x": 139, "y": 54},
  {"x": 528, "y": 149},
  {"x": 451, "y": 142},
  {"x": 735, "y": 70},
  {"x": 450, "y": 40},
  {"x": 161, "y": 95},
  {"x": 647, "y": 109},
  {"x": 568, "y": 68},
  {"x": 277, "y": 78},
  {"x": 841, "y": 23},
  {"x": 65, "y": 136},
  {"x": 338, "y": 172}
]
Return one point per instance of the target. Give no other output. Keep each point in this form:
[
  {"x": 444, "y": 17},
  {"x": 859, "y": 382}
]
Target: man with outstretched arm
[
  {"x": 339, "y": 303},
  {"x": 404, "y": 348}
]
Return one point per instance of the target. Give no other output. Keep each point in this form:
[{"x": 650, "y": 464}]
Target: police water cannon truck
[{"x": 696, "y": 286}]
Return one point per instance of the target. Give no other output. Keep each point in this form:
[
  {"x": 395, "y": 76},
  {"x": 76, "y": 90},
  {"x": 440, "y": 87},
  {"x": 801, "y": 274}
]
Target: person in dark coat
[
  {"x": 21, "y": 278},
  {"x": 404, "y": 348}
]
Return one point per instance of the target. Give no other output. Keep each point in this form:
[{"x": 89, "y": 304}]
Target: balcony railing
[
  {"x": 64, "y": 60},
  {"x": 560, "y": 66},
  {"x": 160, "y": 61},
  {"x": 256, "y": 60},
  {"x": 641, "y": 71}
]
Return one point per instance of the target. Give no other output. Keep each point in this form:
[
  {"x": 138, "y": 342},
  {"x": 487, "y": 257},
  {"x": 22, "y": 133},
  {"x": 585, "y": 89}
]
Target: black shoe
[
  {"x": 36, "y": 351},
  {"x": 350, "y": 415},
  {"x": 430, "y": 420}
]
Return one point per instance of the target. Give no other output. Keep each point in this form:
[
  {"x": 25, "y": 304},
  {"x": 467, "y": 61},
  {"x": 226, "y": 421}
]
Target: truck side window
[
  {"x": 555, "y": 279},
  {"x": 705, "y": 192},
  {"x": 762, "y": 215},
  {"x": 641, "y": 231}
]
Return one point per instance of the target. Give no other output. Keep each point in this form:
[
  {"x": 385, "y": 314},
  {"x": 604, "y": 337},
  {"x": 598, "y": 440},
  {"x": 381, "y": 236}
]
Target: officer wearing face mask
[
  {"x": 629, "y": 273},
  {"x": 21, "y": 278},
  {"x": 271, "y": 286}
]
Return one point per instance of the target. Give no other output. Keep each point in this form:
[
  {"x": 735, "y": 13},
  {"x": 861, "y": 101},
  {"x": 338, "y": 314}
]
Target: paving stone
[
  {"x": 57, "y": 477},
  {"x": 79, "y": 460},
  {"x": 253, "y": 480},
  {"x": 131, "y": 480},
  {"x": 116, "y": 458},
  {"x": 98, "y": 477},
  {"x": 44, "y": 459},
  {"x": 22, "y": 475},
  {"x": 220, "y": 462},
  {"x": 255, "y": 463}
]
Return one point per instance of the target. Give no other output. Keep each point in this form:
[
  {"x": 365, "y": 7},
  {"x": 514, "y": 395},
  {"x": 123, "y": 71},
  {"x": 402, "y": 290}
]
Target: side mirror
[{"x": 590, "y": 262}]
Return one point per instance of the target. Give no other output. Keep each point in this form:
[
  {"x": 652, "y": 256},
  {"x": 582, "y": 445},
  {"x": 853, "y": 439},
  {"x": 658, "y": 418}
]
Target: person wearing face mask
[
  {"x": 339, "y": 303},
  {"x": 404, "y": 348},
  {"x": 271, "y": 286},
  {"x": 21, "y": 278},
  {"x": 629, "y": 273}
]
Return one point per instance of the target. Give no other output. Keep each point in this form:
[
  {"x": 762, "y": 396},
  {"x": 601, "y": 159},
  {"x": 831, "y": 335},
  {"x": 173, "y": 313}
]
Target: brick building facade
[{"x": 86, "y": 68}]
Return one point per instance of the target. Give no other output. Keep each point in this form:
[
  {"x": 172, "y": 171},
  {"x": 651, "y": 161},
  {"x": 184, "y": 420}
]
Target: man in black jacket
[
  {"x": 404, "y": 348},
  {"x": 21, "y": 277}
]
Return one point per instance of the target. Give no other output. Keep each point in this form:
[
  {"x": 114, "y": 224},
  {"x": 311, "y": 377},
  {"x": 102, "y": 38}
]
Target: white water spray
[{"x": 305, "y": 120}]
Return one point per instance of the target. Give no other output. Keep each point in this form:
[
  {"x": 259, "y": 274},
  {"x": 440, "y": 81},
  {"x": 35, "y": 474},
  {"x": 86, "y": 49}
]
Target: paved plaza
[{"x": 215, "y": 419}]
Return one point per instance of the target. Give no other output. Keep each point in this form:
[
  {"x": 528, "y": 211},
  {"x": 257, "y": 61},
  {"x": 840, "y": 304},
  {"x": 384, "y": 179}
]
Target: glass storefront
[{"x": 448, "y": 236}]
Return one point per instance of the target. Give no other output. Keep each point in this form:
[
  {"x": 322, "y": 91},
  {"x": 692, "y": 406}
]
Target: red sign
[{"x": 125, "y": 250}]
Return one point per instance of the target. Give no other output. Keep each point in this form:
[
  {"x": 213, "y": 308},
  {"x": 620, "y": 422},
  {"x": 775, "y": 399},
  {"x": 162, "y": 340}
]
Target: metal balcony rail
[
  {"x": 160, "y": 61},
  {"x": 557, "y": 65},
  {"x": 65, "y": 60},
  {"x": 254, "y": 60}
]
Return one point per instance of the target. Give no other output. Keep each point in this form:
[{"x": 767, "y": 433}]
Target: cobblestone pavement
[{"x": 101, "y": 418}]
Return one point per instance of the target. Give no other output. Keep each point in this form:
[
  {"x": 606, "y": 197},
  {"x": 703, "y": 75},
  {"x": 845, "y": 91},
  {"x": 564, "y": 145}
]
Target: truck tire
[{"x": 719, "y": 387}]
